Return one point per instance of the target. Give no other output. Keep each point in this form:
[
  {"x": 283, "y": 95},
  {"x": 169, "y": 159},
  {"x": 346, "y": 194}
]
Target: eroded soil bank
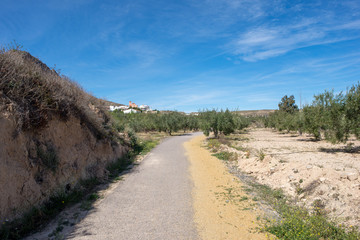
[
  {"x": 222, "y": 209},
  {"x": 39, "y": 164}
]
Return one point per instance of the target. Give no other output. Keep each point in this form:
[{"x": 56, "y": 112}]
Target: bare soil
[
  {"x": 222, "y": 209},
  {"x": 314, "y": 173}
]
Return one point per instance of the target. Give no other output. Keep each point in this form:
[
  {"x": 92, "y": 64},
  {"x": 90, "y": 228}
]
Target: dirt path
[{"x": 222, "y": 209}]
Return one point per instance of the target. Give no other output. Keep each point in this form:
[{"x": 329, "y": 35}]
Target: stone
[
  {"x": 343, "y": 175},
  {"x": 309, "y": 166},
  {"x": 272, "y": 170},
  {"x": 322, "y": 189},
  {"x": 352, "y": 176},
  {"x": 322, "y": 179},
  {"x": 291, "y": 178},
  {"x": 295, "y": 170}
]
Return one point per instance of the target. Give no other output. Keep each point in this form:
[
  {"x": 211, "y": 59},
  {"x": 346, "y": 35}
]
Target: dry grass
[{"x": 35, "y": 94}]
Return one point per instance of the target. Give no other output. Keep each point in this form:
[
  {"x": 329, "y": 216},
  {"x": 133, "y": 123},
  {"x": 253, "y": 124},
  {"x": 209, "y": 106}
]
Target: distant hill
[
  {"x": 263, "y": 112},
  {"x": 107, "y": 104},
  {"x": 110, "y": 103}
]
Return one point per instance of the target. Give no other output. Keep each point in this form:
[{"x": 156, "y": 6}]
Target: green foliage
[
  {"x": 226, "y": 156},
  {"x": 168, "y": 122},
  {"x": 221, "y": 122},
  {"x": 352, "y": 110},
  {"x": 214, "y": 144},
  {"x": 261, "y": 155},
  {"x": 296, "y": 222},
  {"x": 328, "y": 116},
  {"x": 132, "y": 137},
  {"x": 288, "y": 105},
  {"x": 147, "y": 146},
  {"x": 331, "y": 116}
]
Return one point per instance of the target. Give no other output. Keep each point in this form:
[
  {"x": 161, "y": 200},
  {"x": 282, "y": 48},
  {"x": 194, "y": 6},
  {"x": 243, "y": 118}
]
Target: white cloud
[{"x": 271, "y": 41}]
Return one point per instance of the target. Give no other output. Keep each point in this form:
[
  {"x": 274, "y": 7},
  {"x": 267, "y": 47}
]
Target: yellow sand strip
[{"x": 222, "y": 209}]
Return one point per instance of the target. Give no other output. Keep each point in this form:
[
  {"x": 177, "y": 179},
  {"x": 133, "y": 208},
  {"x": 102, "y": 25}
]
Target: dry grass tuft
[{"x": 35, "y": 94}]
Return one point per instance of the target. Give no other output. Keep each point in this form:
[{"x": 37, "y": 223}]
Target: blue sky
[{"x": 193, "y": 54}]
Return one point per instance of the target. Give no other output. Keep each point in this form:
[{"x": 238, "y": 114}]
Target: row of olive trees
[
  {"x": 335, "y": 116},
  {"x": 217, "y": 122},
  {"x": 221, "y": 122},
  {"x": 162, "y": 122}
]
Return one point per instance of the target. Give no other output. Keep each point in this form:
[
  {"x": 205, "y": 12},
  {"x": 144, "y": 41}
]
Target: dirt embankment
[
  {"x": 52, "y": 134},
  {"x": 222, "y": 208},
  {"x": 35, "y": 166},
  {"x": 315, "y": 174}
]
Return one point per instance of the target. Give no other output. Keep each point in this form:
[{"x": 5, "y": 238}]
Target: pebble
[
  {"x": 291, "y": 178},
  {"x": 309, "y": 166},
  {"x": 343, "y": 175},
  {"x": 352, "y": 176},
  {"x": 272, "y": 170},
  {"x": 295, "y": 170},
  {"x": 322, "y": 179}
]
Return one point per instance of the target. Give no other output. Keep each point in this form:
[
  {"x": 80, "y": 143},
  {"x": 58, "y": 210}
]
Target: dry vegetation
[{"x": 36, "y": 93}]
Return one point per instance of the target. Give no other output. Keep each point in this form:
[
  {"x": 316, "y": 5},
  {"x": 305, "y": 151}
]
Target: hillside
[{"x": 53, "y": 134}]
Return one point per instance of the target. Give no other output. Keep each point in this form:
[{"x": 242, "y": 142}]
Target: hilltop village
[{"x": 131, "y": 108}]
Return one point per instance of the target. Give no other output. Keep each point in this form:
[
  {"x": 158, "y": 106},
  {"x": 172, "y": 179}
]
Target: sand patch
[{"x": 222, "y": 209}]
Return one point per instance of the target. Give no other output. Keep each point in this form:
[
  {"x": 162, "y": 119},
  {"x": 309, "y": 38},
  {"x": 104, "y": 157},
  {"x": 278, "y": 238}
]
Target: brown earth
[
  {"x": 222, "y": 209},
  {"x": 309, "y": 171},
  {"x": 26, "y": 180}
]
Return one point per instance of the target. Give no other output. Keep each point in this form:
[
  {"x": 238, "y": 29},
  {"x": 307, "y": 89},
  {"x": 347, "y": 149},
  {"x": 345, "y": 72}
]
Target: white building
[
  {"x": 145, "y": 108},
  {"x": 122, "y": 108},
  {"x": 130, "y": 111}
]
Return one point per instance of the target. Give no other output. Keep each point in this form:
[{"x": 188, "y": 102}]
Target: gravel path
[{"x": 153, "y": 202}]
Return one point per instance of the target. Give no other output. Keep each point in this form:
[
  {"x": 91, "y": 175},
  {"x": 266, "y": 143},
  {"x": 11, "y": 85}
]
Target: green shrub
[
  {"x": 226, "y": 156},
  {"x": 261, "y": 155},
  {"x": 214, "y": 144},
  {"x": 147, "y": 145},
  {"x": 296, "y": 222}
]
